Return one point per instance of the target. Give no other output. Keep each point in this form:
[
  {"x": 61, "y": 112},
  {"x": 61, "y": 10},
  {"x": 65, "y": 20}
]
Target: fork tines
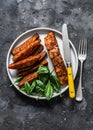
[{"x": 82, "y": 47}]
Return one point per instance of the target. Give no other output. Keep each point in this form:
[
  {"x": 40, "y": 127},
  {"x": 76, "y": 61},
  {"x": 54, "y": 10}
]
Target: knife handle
[{"x": 71, "y": 83}]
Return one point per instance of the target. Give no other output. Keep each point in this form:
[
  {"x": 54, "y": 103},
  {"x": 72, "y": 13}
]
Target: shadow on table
[{"x": 64, "y": 101}]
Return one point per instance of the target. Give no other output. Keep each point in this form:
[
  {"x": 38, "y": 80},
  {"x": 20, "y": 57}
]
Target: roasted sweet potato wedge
[
  {"x": 33, "y": 69},
  {"x": 29, "y": 61},
  {"x": 38, "y": 49},
  {"x": 28, "y": 78},
  {"x": 25, "y": 44},
  {"x": 42, "y": 56},
  {"x": 26, "y": 51}
]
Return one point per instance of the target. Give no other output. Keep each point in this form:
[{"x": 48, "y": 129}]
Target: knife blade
[{"x": 67, "y": 57}]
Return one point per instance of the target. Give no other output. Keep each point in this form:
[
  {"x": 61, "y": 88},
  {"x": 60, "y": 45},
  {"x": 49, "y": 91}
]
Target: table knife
[{"x": 67, "y": 57}]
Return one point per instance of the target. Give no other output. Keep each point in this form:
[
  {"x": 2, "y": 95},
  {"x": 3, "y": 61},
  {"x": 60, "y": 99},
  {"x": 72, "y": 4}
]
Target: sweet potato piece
[
  {"x": 38, "y": 49},
  {"x": 29, "y": 61},
  {"x": 26, "y": 51},
  {"x": 30, "y": 70},
  {"x": 42, "y": 56},
  {"x": 28, "y": 78},
  {"x": 25, "y": 44},
  {"x": 56, "y": 58}
]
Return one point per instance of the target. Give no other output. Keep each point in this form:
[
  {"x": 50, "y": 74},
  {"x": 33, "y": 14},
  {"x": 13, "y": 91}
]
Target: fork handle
[{"x": 79, "y": 95}]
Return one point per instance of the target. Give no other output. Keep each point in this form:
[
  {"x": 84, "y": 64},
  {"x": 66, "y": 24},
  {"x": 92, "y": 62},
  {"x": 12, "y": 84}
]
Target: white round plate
[{"x": 42, "y": 33}]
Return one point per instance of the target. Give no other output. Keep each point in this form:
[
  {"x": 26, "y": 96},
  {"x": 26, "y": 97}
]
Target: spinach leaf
[
  {"x": 23, "y": 89},
  {"x": 44, "y": 78},
  {"x": 18, "y": 79},
  {"x": 33, "y": 85},
  {"x": 39, "y": 87},
  {"x": 43, "y": 70},
  {"x": 27, "y": 88},
  {"x": 40, "y": 83},
  {"x": 39, "y": 90},
  {"x": 55, "y": 83},
  {"x": 55, "y": 88},
  {"x": 48, "y": 91}
]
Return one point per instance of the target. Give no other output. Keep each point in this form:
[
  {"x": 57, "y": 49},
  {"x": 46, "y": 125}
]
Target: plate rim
[{"x": 14, "y": 42}]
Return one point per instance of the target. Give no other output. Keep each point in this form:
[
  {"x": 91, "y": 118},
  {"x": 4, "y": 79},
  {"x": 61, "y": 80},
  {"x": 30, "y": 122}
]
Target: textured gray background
[{"x": 18, "y": 112}]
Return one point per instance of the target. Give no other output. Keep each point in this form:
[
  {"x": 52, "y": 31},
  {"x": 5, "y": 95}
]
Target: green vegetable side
[{"x": 44, "y": 86}]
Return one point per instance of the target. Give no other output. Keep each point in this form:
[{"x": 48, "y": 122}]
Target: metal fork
[{"x": 82, "y": 55}]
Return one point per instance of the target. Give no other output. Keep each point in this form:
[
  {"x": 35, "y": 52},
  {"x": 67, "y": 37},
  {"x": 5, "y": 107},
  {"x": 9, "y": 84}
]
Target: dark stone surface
[{"x": 21, "y": 113}]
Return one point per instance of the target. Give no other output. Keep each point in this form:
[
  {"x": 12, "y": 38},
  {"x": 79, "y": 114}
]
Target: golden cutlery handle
[{"x": 71, "y": 83}]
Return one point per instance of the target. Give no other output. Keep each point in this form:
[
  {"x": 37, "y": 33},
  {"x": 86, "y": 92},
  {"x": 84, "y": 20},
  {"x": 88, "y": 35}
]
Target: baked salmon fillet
[{"x": 56, "y": 58}]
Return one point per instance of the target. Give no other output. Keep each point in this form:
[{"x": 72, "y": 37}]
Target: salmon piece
[
  {"x": 56, "y": 58},
  {"x": 25, "y": 44},
  {"x": 30, "y": 70},
  {"x": 29, "y": 61},
  {"x": 51, "y": 41},
  {"x": 63, "y": 79},
  {"x": 26, "y": 51},
  {"x": 28, "y": 78}
]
